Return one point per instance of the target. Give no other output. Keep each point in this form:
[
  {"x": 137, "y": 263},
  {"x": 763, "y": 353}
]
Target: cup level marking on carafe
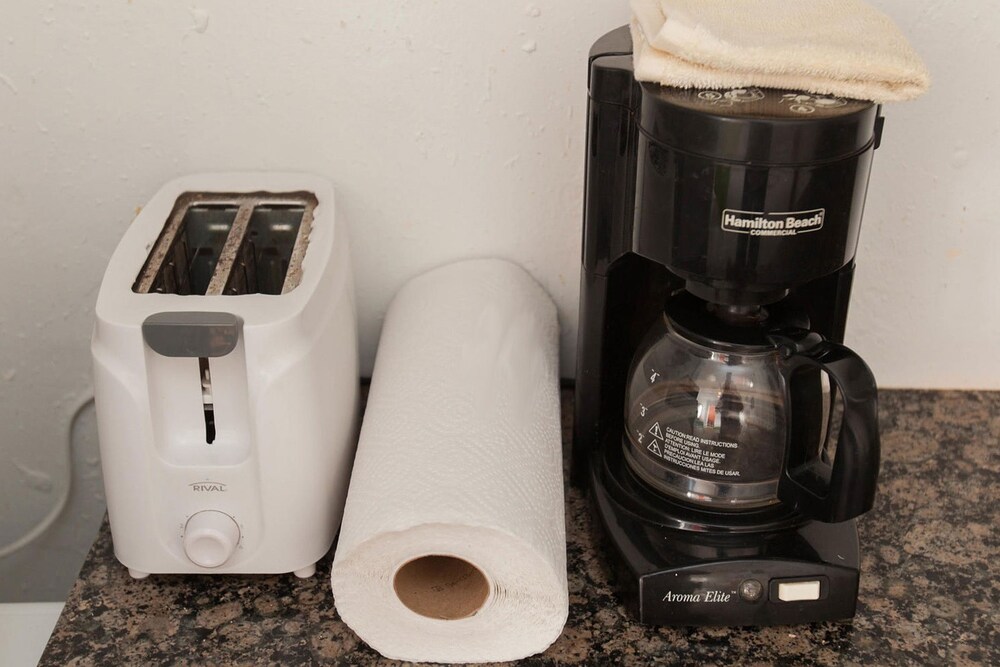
[
  {"x": 653, "y": 375},
  {"x": 642, "y": 410}
]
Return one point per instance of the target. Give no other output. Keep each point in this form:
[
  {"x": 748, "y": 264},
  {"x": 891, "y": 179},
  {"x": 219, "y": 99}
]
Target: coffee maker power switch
[{"x": 794, "y": 591}]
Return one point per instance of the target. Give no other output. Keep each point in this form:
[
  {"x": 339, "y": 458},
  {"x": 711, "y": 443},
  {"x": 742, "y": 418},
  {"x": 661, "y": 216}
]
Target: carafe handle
[{"x": 847, "y": 488}]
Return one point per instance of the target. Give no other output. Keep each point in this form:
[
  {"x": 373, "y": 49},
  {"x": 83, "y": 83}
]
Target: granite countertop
[{"x": 930, "y": 584}]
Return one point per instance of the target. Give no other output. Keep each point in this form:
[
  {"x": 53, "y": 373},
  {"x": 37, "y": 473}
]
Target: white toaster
[{"x": 226, "y": 377}]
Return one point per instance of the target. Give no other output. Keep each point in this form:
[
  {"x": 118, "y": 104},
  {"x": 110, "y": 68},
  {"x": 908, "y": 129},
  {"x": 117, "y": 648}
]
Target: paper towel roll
[{"x": 453, "y": 545}]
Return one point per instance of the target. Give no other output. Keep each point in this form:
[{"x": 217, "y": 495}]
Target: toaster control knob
[{"x": 210, "y": 537}]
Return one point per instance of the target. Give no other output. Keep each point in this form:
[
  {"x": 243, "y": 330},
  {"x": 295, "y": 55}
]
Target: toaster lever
[{"x": 192, "y": 334}]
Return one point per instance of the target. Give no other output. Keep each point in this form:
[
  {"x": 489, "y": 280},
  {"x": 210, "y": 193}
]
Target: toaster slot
[
  {"x": 267, "y": 252},
  {"x": 230, "y": 244},
  {"x": 185, "y": 256}
]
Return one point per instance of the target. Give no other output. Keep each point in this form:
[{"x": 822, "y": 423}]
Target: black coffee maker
[{"x": 728, "y": 439}]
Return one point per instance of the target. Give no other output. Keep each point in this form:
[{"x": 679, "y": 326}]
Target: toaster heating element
[{"x": 225, "y": 364}]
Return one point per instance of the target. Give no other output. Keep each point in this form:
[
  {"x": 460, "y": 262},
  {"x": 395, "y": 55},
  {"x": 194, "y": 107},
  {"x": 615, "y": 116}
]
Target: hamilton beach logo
[
  {"x": 207, "y": 487},
  {"x": 757, "y": 223},
  {"x": 707, "y": 596}
]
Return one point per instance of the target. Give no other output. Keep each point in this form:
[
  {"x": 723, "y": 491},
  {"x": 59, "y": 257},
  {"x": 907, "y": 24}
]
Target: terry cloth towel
[{"x": 835, "y": 47}]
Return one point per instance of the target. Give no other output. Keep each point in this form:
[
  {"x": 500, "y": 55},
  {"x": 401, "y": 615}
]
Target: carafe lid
[{"x": 731, "y": 328}]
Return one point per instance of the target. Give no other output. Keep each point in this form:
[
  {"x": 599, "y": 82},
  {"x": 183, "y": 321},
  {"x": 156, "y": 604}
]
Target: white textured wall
[
  {"x": 927, "y": 312},
  {"x": 451, "y": 129}
]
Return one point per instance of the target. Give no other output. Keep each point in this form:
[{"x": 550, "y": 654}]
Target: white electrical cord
[{"x": 60, "y": 505}]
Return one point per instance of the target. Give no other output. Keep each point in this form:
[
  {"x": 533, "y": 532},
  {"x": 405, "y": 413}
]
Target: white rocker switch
[{"x": 794, "y": 591}]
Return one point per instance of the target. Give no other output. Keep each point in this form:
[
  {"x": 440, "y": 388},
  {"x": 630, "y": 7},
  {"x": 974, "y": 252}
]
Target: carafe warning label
[
  {"x": 688, "y": 451},
  {"x": 758, "y": 223}
]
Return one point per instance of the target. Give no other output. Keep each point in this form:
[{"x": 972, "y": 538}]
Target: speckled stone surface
[{"x": 930, "y": 586}]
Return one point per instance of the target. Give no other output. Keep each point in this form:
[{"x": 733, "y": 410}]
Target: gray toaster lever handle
[{"x": 192, "y": 334}]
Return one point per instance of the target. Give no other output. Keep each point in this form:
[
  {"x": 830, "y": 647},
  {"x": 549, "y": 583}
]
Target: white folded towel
[{"x": 836, "y": 47}]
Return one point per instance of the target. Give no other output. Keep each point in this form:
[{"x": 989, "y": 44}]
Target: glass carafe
[{"x": 708, "y": 414}]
